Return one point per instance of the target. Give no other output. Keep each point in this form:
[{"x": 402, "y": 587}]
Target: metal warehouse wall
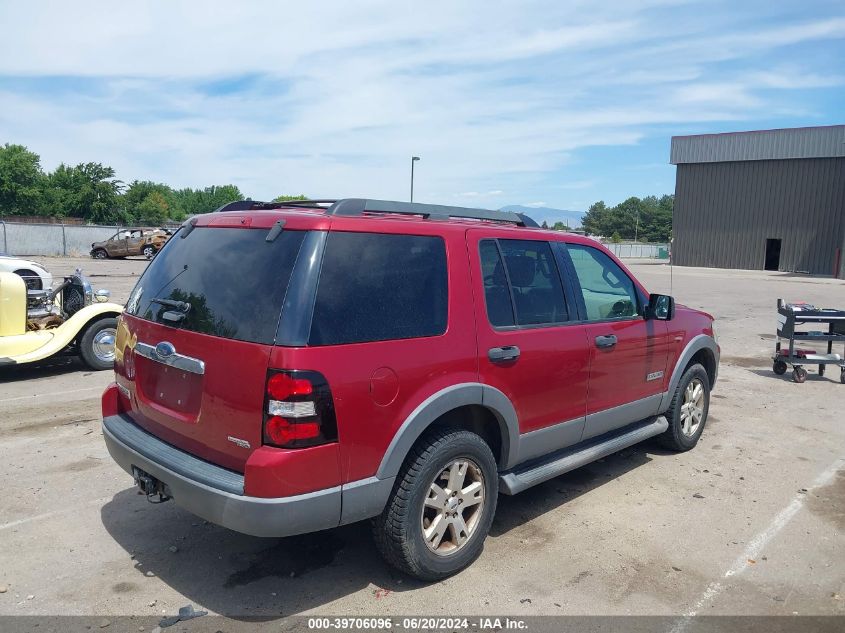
[{"x": 724, "y": 212}]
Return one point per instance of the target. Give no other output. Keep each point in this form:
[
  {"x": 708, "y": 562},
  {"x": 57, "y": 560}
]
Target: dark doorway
[{"x": 772, "y": 254}]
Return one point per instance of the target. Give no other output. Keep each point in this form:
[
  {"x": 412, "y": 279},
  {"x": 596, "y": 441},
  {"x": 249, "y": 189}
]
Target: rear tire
[
  {"x": 149, "y": 252},
  {"x": 94, "y": 344},
  {"x": 687, "y": 414},
  {"x": 422, "y": 500}
]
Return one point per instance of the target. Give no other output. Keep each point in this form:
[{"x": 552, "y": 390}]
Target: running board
[{"x": 560, "y": 462}]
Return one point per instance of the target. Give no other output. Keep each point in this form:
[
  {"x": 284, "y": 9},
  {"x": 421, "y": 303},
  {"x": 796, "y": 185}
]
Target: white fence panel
[{"x": 629, "y": 251}]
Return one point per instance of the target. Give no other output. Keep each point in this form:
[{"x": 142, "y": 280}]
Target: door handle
[
  {"x": 503, "y": 354},
  {"x": 605, "y": 342}
]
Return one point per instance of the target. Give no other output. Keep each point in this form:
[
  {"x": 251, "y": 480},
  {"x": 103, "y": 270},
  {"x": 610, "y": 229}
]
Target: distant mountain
[{"x": 549, "y": 214}]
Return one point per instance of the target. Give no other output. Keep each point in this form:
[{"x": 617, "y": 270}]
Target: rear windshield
[{"x": 233, "y": 279}]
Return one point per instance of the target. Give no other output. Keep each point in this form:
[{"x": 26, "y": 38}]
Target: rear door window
[
  {"x": 377, "y": 287},
  {"x": 233, "y": 279},
  {"x": 521, "y": 279}
]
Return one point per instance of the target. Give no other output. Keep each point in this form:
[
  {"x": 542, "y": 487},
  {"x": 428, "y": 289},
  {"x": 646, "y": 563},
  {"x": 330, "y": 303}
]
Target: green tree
[
  {"x": 596, "y": 218},
  {"x": 544, "y": 225},
  {"x": 615, "y": 238},
  {"x": 88, "y": 190},
  {"x": 151, "y": 202},
  {"x": 648, "y": 218},
  {"x": 194, "y": 201},
  {"x": 284, "y": 198},
  {"x": 21, "y": 180},
  {"x": 560, "y": 226},
  {"x": 153, "y": 209}
]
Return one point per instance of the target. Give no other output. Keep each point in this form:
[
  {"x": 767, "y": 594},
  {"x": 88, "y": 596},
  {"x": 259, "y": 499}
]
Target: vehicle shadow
[
  {"x": 245, "y": 577},
  {"x": 54, "y": 366},
  {"x": 514, "y": 511}
]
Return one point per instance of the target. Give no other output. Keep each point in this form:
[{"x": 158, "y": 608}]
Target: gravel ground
[{"x": 750, "y": 522}]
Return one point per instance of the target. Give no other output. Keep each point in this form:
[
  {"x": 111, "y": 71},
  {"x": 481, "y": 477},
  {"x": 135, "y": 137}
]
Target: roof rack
[
  {"x": 359, "y": 206},
  {"x": 255, "y": 205}
]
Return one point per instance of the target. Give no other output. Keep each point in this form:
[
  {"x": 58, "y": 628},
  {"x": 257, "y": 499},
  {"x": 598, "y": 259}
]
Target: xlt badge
[
  {"x": 238, "y": 441},
  {"x": 653, "y": 376}
]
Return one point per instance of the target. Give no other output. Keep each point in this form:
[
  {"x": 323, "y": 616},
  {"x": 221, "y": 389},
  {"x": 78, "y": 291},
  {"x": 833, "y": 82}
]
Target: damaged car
[{"x": 128, "y": 242}]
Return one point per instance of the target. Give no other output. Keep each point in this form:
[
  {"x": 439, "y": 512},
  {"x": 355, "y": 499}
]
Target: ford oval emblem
[{"x": 165, "y": 349}]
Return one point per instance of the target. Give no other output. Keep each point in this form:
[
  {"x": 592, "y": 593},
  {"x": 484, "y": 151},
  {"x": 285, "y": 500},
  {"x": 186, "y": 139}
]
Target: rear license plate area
[{"x": 169, "y": 387}]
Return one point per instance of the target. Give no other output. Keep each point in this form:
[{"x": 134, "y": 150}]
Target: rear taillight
[{"x": 298, "y": 410}]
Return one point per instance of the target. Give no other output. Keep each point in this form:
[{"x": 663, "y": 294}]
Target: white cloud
[{"x": 333, "y": 99}]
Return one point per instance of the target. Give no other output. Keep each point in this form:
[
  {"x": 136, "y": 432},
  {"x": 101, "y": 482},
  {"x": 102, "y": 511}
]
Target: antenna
[{"x": 671, "y": 249}]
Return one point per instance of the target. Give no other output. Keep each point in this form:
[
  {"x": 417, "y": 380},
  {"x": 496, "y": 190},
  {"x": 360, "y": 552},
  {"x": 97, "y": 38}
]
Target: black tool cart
[{"x": 810, "y": 320}]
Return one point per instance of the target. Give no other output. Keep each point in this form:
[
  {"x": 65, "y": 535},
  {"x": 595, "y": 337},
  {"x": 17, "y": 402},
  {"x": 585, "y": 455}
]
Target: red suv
[{"x": 291, "y": 367}]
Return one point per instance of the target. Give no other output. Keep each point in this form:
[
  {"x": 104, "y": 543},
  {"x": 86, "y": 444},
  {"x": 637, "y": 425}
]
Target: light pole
[{"x": 413, "y": 160}]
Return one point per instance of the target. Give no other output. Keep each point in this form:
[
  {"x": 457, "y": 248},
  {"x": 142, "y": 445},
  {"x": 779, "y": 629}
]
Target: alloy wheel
[
  {"x": 453, "y": 507},
  {"x": 692, "y": 410}
]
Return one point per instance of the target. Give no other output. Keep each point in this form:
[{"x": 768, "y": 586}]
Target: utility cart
[{"x": 816, "y": 324}]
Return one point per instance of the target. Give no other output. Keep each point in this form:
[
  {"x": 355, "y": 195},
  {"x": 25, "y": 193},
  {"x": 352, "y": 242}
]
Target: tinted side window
[
  {"x": 234, "y": 280},
  {"x": 497, "y": 294},
  {"x": 535, "y": 282},
  {"x": 376, "y": 287},
  {"x": 529, "y": 276},
  {"x": 608, "y": 292}
]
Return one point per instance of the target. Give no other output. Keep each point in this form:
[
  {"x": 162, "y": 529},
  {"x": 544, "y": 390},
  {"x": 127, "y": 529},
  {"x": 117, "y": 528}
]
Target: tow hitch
[{"x": 156, "y": 491}]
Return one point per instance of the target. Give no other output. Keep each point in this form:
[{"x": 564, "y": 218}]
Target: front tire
[
  {"x": 99, "y": 254},
  {"x": 149, "y": 252},
  {"x": 687, "y": 414},
  {"x": 96, "y": 347},
  {"x": 441, "y": 507}
]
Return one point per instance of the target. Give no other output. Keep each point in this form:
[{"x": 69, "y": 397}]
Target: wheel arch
[
  {"x": 109, "y": 314},
  {"x": 701, "y": 349},
  {"x": 473, "y": 406}
]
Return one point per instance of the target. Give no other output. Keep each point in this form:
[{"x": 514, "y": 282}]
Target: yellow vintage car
[{"x": 69, "y": 319}]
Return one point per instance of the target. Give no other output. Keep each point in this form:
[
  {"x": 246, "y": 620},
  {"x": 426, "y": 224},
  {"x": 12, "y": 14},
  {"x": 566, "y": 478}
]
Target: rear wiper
[{"x": 182, "y": 306}]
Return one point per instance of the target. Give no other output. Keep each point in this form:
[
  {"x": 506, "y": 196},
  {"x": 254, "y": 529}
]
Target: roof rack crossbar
[{"x": 360, "y": 206}]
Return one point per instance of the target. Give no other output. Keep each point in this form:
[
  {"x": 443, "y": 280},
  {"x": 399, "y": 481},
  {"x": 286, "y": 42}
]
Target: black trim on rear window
[{"x": 234, "y": 280}]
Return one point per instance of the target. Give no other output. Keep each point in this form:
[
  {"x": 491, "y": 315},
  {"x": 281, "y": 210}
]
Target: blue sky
[{"x": 540, "y": 103}]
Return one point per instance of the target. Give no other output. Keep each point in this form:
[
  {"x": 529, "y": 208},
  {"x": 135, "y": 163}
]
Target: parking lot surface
[{"x": 750, "y": 522}]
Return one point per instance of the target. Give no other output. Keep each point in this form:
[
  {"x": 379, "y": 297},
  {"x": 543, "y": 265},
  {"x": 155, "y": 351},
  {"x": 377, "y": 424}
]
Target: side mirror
[{"x": 660, "y": 307}]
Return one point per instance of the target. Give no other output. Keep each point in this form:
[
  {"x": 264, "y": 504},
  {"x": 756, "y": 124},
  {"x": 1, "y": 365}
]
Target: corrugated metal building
[{"x": 767, "y": 200}]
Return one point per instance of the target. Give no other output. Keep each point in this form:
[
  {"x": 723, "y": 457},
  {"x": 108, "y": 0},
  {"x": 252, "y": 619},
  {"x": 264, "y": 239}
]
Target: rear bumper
[{"x": 215, "y": 493}]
